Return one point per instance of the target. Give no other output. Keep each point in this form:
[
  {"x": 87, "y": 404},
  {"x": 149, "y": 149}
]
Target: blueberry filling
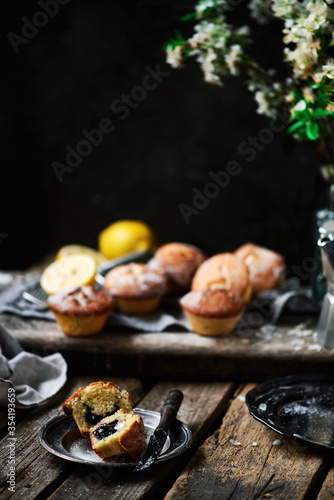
[
  {"x": 93, "y": 418},
  {"x": 106, "y": 430}
]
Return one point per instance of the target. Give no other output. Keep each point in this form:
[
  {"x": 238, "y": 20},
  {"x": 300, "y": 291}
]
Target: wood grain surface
[
  {"x": 36, "y": 469},
  {"x": 256, "y": 354},
  {"x": 202, "y": 406},
  {"x": 229, "y": 465}
]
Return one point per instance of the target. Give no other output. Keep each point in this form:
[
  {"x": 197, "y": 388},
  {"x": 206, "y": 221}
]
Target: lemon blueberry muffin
[
  {"x": 180, "y": 262},
  {"x": 82, "y": 310},
  {"x": 89, "y": 405},
  {"x": 213, "y": 312},
  {"x": 225, "y": 272},
  {"x": 137, "y": 288},
  {"x": 266, "y": 268},
  {"x": 120, "y": 433}
]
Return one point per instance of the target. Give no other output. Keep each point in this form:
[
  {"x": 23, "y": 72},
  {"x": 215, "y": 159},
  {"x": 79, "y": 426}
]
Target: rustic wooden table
[{"x": 214, "y": 374}]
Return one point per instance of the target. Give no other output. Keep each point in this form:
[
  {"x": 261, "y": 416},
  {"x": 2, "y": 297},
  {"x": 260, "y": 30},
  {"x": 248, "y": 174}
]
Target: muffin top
[
  {"x": 266, "y": 268},
  {"x": 81, "y": 301},
  {"x": 135, "y": 281},
  {"x": 213, "y": 303},
  {"x": 179, "y": 261},
  {"x": 222, "y": 271}
]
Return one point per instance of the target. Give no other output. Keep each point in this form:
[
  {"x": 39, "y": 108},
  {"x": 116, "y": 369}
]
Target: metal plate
[
  {"x": 298, "y": 406},
  {"x": 61, "y": 437}
]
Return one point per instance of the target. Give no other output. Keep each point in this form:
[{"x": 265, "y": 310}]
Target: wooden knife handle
[{"x": 169, "y": 410}]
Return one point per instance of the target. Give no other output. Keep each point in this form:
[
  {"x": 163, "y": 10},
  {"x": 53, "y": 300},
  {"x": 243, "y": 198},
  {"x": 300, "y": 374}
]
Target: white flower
[
  {"x": 329, "y": 69},
  {"x": 308, "y": 94},
  {"x": 262, "y": 101},
  {"x": 174, "y": 56},
  {"x": 206, "y": 4},
  {"x": 206, "y": 60},
  {"x": 233, "y": 57},
  {"x": 300, "y": 106}
]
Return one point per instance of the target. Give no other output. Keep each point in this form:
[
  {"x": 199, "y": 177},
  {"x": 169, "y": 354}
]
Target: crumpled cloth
[{"x": 35, "y": 379}]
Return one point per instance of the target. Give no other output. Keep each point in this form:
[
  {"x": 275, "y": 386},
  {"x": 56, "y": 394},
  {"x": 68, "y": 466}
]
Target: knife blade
[{"x": 157, "y": 441}]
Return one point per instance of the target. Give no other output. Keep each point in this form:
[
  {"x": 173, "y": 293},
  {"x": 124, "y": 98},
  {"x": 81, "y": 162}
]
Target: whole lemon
[{"x": 126, "y": 236}]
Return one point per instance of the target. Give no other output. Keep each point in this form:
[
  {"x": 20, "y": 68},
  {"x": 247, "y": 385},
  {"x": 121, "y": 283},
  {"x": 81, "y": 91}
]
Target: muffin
[
  {"x": 226, "y": 272},
  {"x": 266, "y": 268},
  {"x": 213, "y": 312},
  {"x": 89, "y": 405},
  {"x": 120, "y": 433},
  {"x": 137, "y": 288},
  {"x": 180, "y": 262},
  {"x": 81, "y": 311}
]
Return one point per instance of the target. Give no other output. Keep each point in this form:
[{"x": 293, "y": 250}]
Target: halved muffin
[
  {"x": 120, "y": 433},
  {"x": 89, "y": 405}
]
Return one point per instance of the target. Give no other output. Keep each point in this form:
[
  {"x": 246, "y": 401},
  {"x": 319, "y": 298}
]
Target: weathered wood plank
[
  {"x": 35, "y": 468},
  {"x": 203, "y": 405},
  {"x": 327, "y": 489},
  {"x": 19, "y": 416},
  {"x": 229, "y": 466},
  {"x": 243, "y": 354}
]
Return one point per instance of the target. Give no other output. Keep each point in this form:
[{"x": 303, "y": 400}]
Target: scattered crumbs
[
  {"x": 268, "y": 328},
  {"x": 277, "y": 442},
  {"x": 314, "y": 347},
  {"x": 300, "y": 333},
  {"x": 234, "y": 442},
  {"x": 242, "y": 398},
  {"x": 297, "y": 342},
  {"x": 301, "y": 326},
  {"x": 262, "y": 407},
  {"x": 253, "y": 443}
]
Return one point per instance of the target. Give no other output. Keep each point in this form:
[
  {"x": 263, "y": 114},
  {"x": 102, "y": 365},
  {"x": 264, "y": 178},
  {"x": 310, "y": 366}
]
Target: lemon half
[
  {"x": 73, "y": 270},
  {"x": 75, "y": 249}
]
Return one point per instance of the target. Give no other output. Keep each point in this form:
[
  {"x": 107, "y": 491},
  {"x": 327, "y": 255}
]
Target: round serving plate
[
  {"x": 61, "y": 437},
  {"x": 298, "y": 406}
]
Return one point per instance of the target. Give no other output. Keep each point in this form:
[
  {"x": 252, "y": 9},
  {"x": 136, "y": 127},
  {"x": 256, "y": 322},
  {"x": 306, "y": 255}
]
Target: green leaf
[
  {"x": 295, "y": 126},
  {"x": 188, "y": 17},
  {"x": 319, "y": 112},
  {"x": 302, "y": 116},
  {"x": 312, "y": 131}
]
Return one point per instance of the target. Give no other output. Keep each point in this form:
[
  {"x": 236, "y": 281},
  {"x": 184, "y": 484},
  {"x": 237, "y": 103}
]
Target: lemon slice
[
  {"x": 73, "y": 270},
  {"x": 73, "y": 249}
]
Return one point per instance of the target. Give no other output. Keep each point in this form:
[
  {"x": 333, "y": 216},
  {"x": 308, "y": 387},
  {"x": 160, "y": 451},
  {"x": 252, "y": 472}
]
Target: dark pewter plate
[
  {"x": 61, "y": 437},
  {"x": 298, "y": 406}
]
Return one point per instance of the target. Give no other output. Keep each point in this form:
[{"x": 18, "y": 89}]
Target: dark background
[{"x": 65, "y": 79}]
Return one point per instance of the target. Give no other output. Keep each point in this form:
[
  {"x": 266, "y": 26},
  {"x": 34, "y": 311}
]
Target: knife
[{"x": 167, "y": 416}]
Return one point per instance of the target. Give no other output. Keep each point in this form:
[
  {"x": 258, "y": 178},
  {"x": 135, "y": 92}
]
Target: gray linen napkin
[
  {"x": 169, "y": 314},
  {"x": 290, "y": 297},
  {"x": 35, "y": 379}
]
